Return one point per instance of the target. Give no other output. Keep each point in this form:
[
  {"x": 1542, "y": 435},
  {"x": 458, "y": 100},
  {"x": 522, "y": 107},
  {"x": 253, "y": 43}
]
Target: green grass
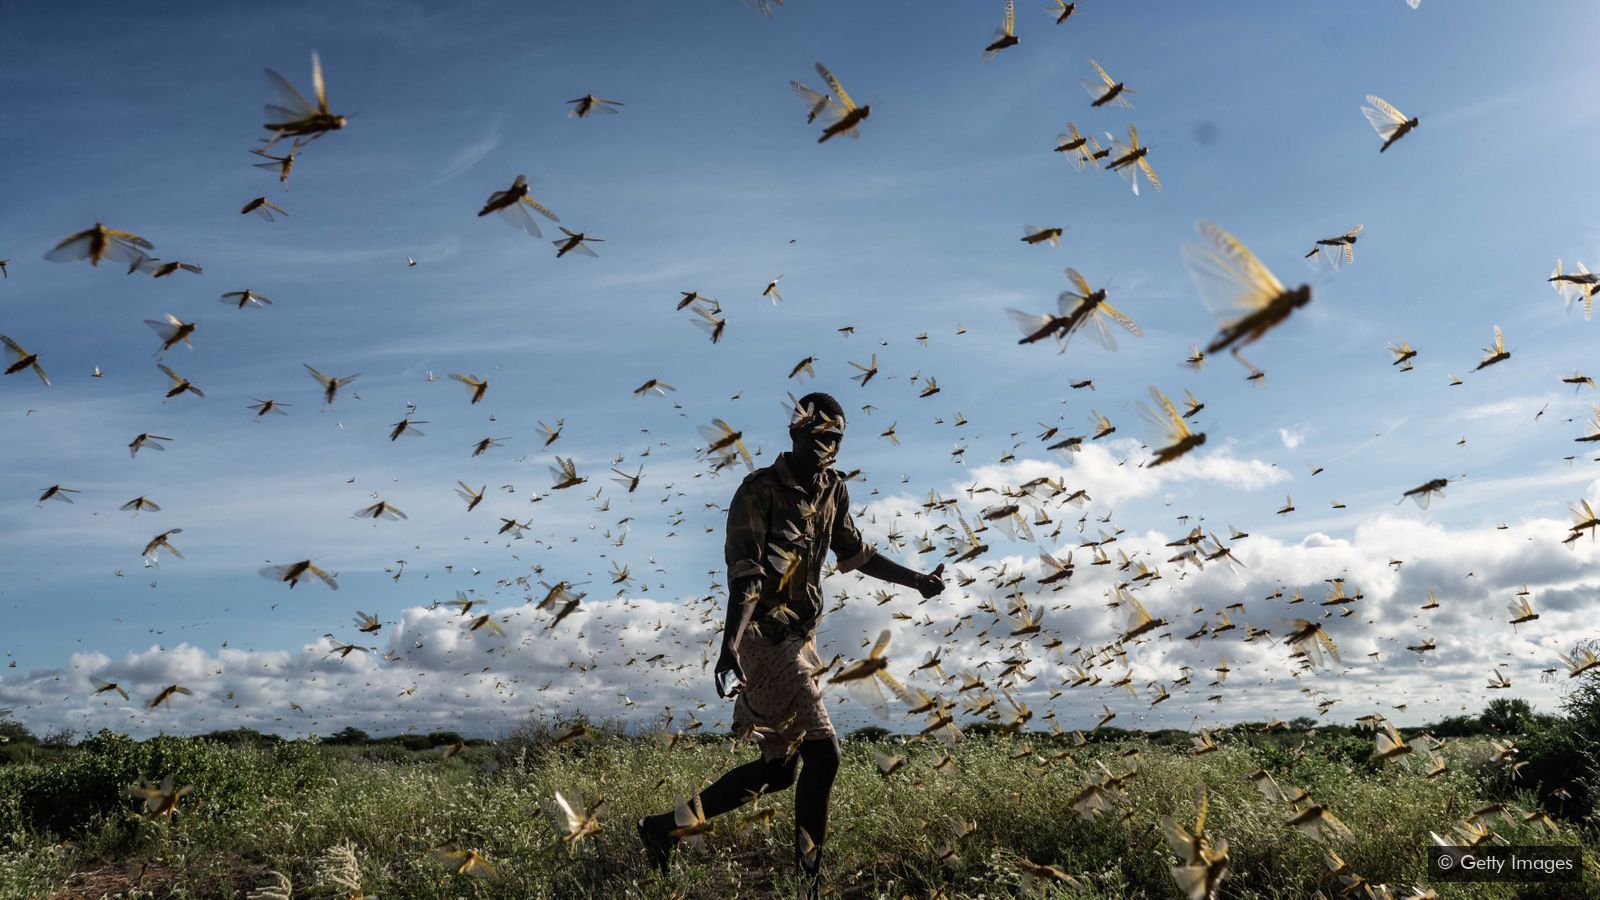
[{"x": 66, "y": 825}]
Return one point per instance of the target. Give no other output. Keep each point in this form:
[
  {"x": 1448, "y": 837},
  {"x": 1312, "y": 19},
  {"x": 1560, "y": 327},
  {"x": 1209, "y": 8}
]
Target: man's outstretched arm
[
  {"x": 854, "y": 553},
  {"x": 928, "y": 584}
]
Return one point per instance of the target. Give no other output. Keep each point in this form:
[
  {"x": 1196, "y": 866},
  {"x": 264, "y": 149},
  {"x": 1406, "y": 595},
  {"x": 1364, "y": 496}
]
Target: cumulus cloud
[{"x": 1114, "y": 472}]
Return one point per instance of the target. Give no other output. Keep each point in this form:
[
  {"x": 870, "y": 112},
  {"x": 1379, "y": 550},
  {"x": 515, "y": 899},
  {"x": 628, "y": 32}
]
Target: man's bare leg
[
  {"x": 819, "y": 764},
  {"x": 734, "y": 789}
]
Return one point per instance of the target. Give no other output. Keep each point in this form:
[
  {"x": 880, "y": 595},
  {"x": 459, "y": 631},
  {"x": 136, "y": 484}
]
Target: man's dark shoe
[{"x": 655, "y": 832}]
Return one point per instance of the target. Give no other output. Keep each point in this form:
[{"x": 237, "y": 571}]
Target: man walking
[{"x": 781, "y": 524}]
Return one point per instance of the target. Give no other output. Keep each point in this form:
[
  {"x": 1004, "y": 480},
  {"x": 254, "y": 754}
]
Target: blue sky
[{"x": 143, "y": 120}]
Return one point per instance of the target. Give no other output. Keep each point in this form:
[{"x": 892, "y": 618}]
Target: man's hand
[
  {"x": 931, "y": 584},
  {"x": 729, "y": 674}
]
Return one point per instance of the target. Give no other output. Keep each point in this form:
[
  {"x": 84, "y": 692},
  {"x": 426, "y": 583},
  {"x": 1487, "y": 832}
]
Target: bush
[
  {"x": 84, "y": 793},
  {"x": 1555, "y": 767},
  {"x": 534, "y": 738},
  {"x": 389, "y": 752},
  {"x": 1559, "y": 755},
  {"x": 60, "y": 739},
  {"x": 1349, "y": 749},
  {"x": 1507, "y": 715},
  {"x": 64, "y": 798},
  {"x": 1582, "y": 706}
]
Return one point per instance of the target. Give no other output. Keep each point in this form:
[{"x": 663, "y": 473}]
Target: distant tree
[
  {"x": 1111, "y": 734},
  {"x": 1457, "y": 726},
  {"x": 872, "y": 733},
  {"x": 348, "y": 735},
  {"x": 17, "y": 744},
  {"x": 241, "y": 737},
  {"x": 12, "y": 731},
  {"x": 1302, "y": 723},
  {"x": 435, "y": 738},
  {"x": 1506, "y": 715},
  {"x": 983, "y": 728},
  {"x": 1170, "y": 737}
]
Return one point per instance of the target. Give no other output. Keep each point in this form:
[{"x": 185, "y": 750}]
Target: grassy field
[{"x": 320, "y": 820}]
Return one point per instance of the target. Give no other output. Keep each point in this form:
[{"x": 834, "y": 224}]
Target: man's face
[{"x": 817, "y": 444}]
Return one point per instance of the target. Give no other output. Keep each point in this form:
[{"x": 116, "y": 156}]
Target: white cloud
[
  {"x": 1516, "y": 409},
  {"x": 474, "y": 153},
  {"x": 600, "y": 660},
  {"x": 1114, "y": 471}
]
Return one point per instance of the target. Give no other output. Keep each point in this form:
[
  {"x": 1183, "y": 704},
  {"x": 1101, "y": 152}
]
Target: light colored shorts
[{"x": 779, "y": 693}]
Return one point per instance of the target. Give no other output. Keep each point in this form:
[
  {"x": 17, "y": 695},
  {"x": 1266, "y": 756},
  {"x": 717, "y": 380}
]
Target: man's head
[{"x": 816, "y": 429}]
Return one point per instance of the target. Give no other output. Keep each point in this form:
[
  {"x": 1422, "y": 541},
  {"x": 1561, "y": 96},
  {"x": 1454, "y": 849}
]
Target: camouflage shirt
[{"x": 780, "y": 530}]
